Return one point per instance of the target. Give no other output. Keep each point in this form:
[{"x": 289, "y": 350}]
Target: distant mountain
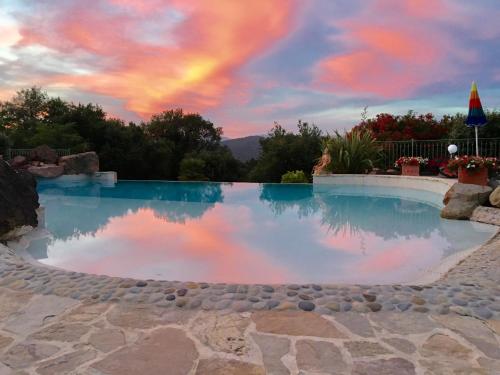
[{"x": 244, "y": 148}]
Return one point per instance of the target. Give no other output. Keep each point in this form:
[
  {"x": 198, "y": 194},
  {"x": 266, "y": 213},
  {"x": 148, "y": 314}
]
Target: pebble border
[{"x": 472, "y": 288}]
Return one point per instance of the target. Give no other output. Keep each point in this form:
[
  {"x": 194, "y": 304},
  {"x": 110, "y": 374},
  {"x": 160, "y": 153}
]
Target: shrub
[
  {"x": 294, "y": 177},
  {"x": 4, "y": 143},
  {"x": 353, "y": 152},
  {"x": 192, "y": 169}
]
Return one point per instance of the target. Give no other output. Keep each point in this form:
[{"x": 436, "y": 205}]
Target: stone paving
[{"x": 50, "y": 335}]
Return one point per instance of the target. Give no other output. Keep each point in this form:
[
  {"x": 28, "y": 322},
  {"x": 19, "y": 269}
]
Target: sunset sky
[{"x": 246, "y": 63}]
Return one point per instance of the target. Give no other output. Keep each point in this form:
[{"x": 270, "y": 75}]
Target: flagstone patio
[{"x": 50, "y": 335}]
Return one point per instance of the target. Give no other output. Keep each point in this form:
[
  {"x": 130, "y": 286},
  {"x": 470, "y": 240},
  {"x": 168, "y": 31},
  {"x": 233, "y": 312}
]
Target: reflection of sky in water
[{"x": 248, "y": 233}]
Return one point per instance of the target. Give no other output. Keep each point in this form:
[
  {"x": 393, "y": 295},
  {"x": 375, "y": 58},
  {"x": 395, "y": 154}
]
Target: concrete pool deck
[{"x": 60, "y": 322}]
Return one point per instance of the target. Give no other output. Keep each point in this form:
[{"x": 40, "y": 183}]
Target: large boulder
[
  {"x": 468, "y": 192},
  {"x": 495, "y": 197},
  {"x": 18, "y": 200},
  {"x": 84, "y": 163},
  {"x": 46, "y": 170},
  {"x": 44, "y": 153},
  {"x": 462, "y": 199},
  {"x": 458, "y": 210}
]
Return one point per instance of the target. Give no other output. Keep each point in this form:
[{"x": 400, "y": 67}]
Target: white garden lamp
[{"x": 452, "y": 149}]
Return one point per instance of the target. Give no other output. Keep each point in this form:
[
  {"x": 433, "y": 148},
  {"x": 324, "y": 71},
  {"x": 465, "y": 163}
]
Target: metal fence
[
  {"x": 435, "y": 149},
  {"x": 13, "y": 152}
]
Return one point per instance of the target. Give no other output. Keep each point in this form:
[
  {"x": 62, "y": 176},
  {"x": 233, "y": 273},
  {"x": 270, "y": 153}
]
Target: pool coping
[{"x": 469, "y": 288}]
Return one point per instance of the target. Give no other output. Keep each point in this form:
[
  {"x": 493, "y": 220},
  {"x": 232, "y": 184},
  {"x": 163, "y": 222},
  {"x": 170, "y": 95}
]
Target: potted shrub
[
  {"x": 410, "y": 165},
  {"x": 473, "y": 169}
]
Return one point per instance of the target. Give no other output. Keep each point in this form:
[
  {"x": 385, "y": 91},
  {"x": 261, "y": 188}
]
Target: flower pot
[
  {"x": 410, "y": 170},
  {"x": 478, "y": 177}
]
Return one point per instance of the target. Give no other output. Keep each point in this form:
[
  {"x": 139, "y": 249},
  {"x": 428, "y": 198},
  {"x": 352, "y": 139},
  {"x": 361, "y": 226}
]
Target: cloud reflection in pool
[{"x": 248, "y": 233}]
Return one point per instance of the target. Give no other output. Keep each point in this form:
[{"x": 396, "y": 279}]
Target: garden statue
[{"x": 323, "y": 163}]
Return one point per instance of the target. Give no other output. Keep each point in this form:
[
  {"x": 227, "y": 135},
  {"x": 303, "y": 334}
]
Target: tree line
[{"x": 174, "y": 145}]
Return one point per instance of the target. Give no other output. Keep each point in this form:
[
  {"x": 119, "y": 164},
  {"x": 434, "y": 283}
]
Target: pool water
[{"x": 248, "y": 233}]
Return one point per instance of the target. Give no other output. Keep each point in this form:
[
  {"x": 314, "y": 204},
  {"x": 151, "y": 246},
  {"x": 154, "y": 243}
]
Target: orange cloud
[{"x": 190, "y": 64}]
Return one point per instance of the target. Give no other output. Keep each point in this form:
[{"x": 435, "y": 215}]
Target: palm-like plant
[{"x": 353, "y": 152}]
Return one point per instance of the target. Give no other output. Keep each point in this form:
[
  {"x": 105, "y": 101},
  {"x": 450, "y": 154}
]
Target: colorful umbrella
[{"x": 476, "y": 115}]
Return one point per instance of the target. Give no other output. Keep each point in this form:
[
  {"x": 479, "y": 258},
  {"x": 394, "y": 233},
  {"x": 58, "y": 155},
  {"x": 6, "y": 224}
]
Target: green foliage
[
  {"x": 353, "y": 152},
  {"x": 294, "y": 177},
  {"x": 192, "y": 169},
  {"x": 458, "y": 129},
  {"x": 284, "y": 151},
  {"x": 151, "y": 150},
  {"x": 4, "y": 143}
]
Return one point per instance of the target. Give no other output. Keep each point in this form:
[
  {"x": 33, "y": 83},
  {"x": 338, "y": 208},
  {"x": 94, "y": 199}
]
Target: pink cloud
[
  {"x": 193, "y": 68},
  {"x": 208, "y": 249},
  {"x": 391, "y": 50}
]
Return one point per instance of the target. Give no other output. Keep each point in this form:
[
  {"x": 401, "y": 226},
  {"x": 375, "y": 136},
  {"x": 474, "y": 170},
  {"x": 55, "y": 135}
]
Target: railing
[
  {"x": 435, "y": 149},
  {"x": 13, "y": 152}
]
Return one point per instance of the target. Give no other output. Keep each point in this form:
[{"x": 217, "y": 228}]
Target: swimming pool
[{"x": 248, "y": 233}]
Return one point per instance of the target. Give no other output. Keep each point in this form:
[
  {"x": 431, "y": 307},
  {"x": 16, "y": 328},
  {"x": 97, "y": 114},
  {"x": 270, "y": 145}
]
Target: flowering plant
[
  {"x": 411, "y": 160},
  {"x": 472, "y": 163}
]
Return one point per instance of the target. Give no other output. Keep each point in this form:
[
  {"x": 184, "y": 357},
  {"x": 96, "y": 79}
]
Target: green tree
[
  {"x": 458, "y": 129},
  {"x": 192, "y": 169},
  {"x": 284, "y": 151},
  {"x": 188, "y": 133}
]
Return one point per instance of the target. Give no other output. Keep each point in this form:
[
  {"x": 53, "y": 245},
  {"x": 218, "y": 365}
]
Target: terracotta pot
[
  {"x": 410, "y": 170},
  {"x": 479, "y": 177}
]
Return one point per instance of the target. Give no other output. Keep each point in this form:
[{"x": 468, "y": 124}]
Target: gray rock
[
  {"x": 306, "y": 306},
  {"x": 468, "y": 192},
  {"x": 18, "y": 161},
  {"x": 44, "y": 154},
  {"x": 458, "y": 210},
  {"x": 462, "y": 199},
  {"x": 84, "y": 163},
  {"x": 46, "y": 171}
]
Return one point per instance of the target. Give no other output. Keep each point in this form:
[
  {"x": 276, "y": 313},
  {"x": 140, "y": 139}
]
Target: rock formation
[
  {"x": 84, "y": 163},
  {"x": 43, "y": 162},
  {"x": 46, "y": 170},
  {"x": 462, "y": 199},
  {"x": 18, "y": 200},
  {"x": 44, "y": 154}
]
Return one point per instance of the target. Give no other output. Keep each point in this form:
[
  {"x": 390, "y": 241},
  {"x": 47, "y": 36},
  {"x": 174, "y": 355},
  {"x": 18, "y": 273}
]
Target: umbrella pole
[{"x": 477, "y": 142}]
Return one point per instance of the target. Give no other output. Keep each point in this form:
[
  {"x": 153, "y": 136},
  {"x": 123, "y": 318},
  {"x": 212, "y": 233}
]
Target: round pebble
[
  {"x": 374, "y": 306},
  {"x": 305, "y": 297},
  {"x": 370, "y": 297},
  {"x": 268, "y": 289},
  {"x": 306, "y": 306}
]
